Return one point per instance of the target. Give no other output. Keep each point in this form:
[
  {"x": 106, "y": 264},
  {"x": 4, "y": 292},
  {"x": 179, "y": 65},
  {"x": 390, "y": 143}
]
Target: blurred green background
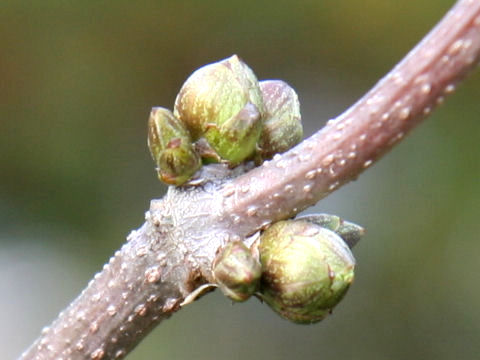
[{"x": 78, "y": 79}]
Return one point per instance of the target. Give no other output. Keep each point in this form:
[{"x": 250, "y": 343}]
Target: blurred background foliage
[{"x": 78, "y": 79}]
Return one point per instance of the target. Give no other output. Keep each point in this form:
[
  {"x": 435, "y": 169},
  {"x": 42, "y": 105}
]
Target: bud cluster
[
  {"x": 301, "y": 269},
  {"x": 222, "y": 113}
]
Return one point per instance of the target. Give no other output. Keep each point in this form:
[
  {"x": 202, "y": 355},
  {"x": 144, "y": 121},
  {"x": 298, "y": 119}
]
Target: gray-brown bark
[{"x": 171, "y": 254}]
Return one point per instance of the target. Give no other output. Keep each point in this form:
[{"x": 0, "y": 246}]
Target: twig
[{"x": 171, "y": 254}]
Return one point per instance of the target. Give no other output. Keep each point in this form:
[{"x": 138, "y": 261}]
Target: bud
[
  {"x": 171, "y": 147},
  {"x": 282, "y": 127},
  {"x": 306, "y": 270},
  {"x": 236, "y": 271},
  {"x": 223, "y": 103}
]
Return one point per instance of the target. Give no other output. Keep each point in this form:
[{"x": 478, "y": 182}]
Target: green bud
[
  {"x": 171, "y": 147},
  {"x": 282, "y": 128},
  {"x": 348, "y": 231},
  {"x": 223, "y": 103},
  {"x": 236, "y": 271},
  {"x": 306, "y": 270}
]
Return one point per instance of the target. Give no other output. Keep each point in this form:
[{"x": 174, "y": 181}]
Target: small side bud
[
  {"x": 171, "y": 147},
  {"x": 282, "y": 128},
  {"x": 236, "y": 271},
  {"x": 223, "y": 103},
  {"x": 306, "y": 270}
]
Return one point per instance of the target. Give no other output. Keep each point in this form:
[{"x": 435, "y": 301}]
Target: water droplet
[
  {"x": 119, "y": 354},
  {"x": 228, "y": 190},
  {"x": 331, "y": 122},
  {"x": 251, "y": 211},
  {"x": 396, "y": 138},
  {"x": 310, "y": 175},
  {"x": 456, "y": 47},
  {"x": 276, "y": 195},
  {"x": 141, "y": 310},
  {"x": 342, "y": 162},
  {"x": 153, "y": 274},
  {"x": 288, "y": 187},
  {"x": 307, "y": 188},
  {"x": 46, "y": 329},
  {"x": 236, "y": 219},
  {"x": 124, "y": 295},
  {"x": 427, "y": 110},
  {"x": 169, "y": 305},
  {"x": 245, "y": 188},
  {"x": 152, "y": 298},
  {"x": 367, "y": 163},
  {"x": 397, "y": 78},
  {"x": 81, "y": 316},
  {"x": 328, "y": 160},
  {"x": 304, "y": 157},
  {"x": 450, "y": 89},
  {"x": 332, "y": 171},
  {"x": 79, "y": 345},
  {"x": 97, "y": 354},
  {"x": 94, "y": 327},
  {"x": 319, "y": 170},
  {"x": 111, "y": 310},
  {"x": 352, "y": 155},
  {"x": 404, "y": 113},
  {"x": 111, "y": 283},
  {"x": 309, "y": 146},
  {"x": 426, "y": 88},
  {"x": 333, "y": 186},
  {"x": 385, "y": 116},
  {"x": 142, "y": 251},
  {"x": 340, "y": 126},
  {"x": 362, "y": 137},
  {"x": 277, "y": 157},
  {"x": 96, "y": 297}
]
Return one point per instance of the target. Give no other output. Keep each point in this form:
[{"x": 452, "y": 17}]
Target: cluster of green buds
[
  {"x": 302, "y": 267},
  {"x": 222, "y": 113}
]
